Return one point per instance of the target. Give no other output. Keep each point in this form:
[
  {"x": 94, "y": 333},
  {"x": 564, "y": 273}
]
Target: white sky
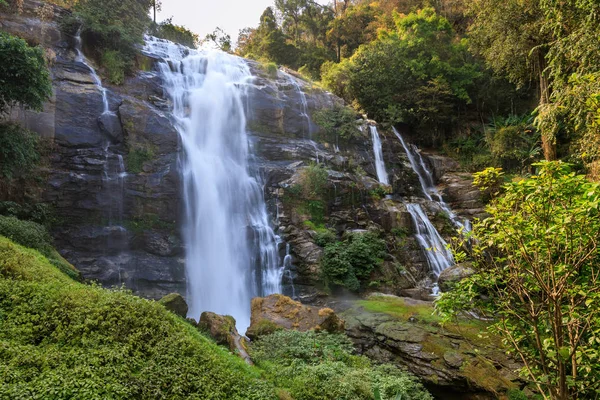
[{"x": 203, "y": 16}]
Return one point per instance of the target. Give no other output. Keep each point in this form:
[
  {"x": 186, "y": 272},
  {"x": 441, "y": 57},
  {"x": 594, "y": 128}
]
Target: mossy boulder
[
  {"x": 222, "y": 329},
  {"x": 459, "y": 359},
  {"x": 451, "y": 276},
  {"x": 280, "y": 312},
  {"x": 175, "y": 303}
]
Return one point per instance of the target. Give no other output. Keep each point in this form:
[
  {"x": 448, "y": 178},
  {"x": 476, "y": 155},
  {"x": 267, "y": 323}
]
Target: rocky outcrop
[
  {"x": 452, "y": 360},
  {"x": 175, "y": 303},
  {"x": 112, "y": 179},
  {"x": 222, "y": 329},
  {"x": 280, "y": 312},
  {"x": 453, "y": 275}
]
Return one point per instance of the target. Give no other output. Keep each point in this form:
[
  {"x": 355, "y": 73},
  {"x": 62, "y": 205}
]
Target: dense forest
[
  {"x": 507, "y": 90},
  {"x": 502, "y": 83}
]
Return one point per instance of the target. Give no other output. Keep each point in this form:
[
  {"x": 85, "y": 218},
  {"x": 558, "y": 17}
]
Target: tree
[
  {"x": 417, "y": 74},
  {"x": 24, "y": 77},
  {"x": 537, "y": 262},
  {"x": 220, "y": 39},
  {"x": 509, "y": 35}
]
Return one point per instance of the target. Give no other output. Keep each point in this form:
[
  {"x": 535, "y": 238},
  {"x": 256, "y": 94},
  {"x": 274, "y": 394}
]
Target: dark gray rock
[{"x": 451, "y": 276}]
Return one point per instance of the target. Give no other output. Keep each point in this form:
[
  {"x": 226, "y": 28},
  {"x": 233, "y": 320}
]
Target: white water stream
[
  {"x": 231, "y": 250},
  {"x": 439, "y": 257},
  {"x": 382, "y": 175}
]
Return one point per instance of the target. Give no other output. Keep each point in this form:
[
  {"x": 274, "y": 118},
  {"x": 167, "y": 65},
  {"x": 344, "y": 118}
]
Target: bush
[
  {"x": 113, "y": 62},
  {"x": 18, "y": 151},
  {"x": 271, "y": 69},
  {"x": 176, "y": 33},
  {"x": 489, "y": 182},
  {"x": 314, "y": 181},
  {"x": 350, "y": 263},
  {"x": 320, "y": 366},
  {"x": 24, "y": 77},
  {"x": 61, "y": 339},
  {"x": 514, "y": 143},
  {"x": 338, "y": 123},
  {"x": 35, "y": 236},
  {"x": 40, "y": 213}
]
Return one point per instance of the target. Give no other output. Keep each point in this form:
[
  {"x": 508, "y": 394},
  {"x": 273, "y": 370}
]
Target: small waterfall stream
[
  {"x": 114, "y": 174},
  {"x": 439, "y": 257},
  {"x": 382, "y": 175},
  {"x": 231, "y": 250}
]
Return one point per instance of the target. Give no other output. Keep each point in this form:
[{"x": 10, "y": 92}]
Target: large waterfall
[{"x": 231, "y": 250}]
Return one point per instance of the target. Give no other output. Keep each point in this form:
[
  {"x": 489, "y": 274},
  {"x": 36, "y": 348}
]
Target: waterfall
[
  {"x": 114, "y": 174},
  {"x": 81, "y": 58},
  {"x": 305, "y": 114},
  {"x": 427, "y": 185},
  {"x": 231, "y": 250},
  {"x": 434, "y": 246},
  {"x": 382, "y": 175}
]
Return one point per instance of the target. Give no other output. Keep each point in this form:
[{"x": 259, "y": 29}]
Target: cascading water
[
  {"x": 426, "y": 180},
  {"x": 304, "y": 113},
  {"x": 114, "y": 174},
  {"x": 382, "y": 175},
  {"x": 231, "y": 250},
  {"x": 439, "y": 257}
]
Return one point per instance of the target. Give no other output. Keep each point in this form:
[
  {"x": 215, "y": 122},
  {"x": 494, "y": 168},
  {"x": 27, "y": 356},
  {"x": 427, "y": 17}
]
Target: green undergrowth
[
  {"x": 60, "y": 339},
  {"x": 320, "y": 366}
]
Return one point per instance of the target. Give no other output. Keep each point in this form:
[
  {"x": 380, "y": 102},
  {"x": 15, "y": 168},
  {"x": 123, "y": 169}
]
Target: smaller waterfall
[
  {"x": 427, "y": 184},
  {"x": 382, "y": 175},
  {"x": 81, "y": 58},
  {"x": 435, "y": 247},
  {"x": 439, "y": 257}
]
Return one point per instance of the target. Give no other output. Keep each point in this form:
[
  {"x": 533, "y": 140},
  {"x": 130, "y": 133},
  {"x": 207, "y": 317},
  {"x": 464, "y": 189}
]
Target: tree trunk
[
  {"x": 548, "y": 143},
  {"x": 154, "y": 6}
]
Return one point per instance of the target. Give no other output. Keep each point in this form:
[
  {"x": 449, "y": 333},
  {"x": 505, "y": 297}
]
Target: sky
[{"x": 203, "y": 16}]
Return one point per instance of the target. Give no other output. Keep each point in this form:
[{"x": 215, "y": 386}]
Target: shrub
[
  {"x": 113, "y": 62},
  {"x": 271, "y": 69},
  {"x": 35, "y": 236},
  {"x": 537, "y": 264},
  {"x": 176, "y": 33},
  {"x": 489, "y": 182},
  {"x": 41, "y": 213},
  {"x": 514, "y": 143},
  {"x": 18, "y": 151},
  {"x": 24, "y": 77},
  {"x": 350, "y": 263},
  {"x": 338, "y": 122},
  {"x": 313, "y": 180},
  {"x": 61, "y": 339},
  {"x": 137, "y": 157},
  {"x": 320, "y": 366}
]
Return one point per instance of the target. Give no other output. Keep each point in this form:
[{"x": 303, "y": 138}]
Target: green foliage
[
  {"x": 537, "y": 271},
  {"x": 349, "y": 263},
  {"x": 136, "y": 158},
  {"x": 24, "y": 77},
  {"x": 148, "y": 222},
  {"x": 416, "y": 74},
  {"x": 313, "y": 181},
  {"x": 320, "y": 366},
  {"x": 18, "y": 150},
  {"x": 115, "y": 65},
  {"x": 40, "y": 213},
  {"x": 325, "y": 237},
  {"x": 176, "y": 33},
  {"x": 60, "y": 339},
  {"x": 114, "y": 27},
  {"x": 489, "y": 182},
  {"x": 339, "y": 122},
  {"x": 35, "y": 236},
  {"x": 220, "y": 39},
  {"x": 271, "y": 69},
  {"x": 514, "y": 142}
]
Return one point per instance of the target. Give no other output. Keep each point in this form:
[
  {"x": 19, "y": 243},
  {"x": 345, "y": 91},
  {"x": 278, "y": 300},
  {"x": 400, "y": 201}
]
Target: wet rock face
[
  {"x": 112, "y": 179},
  {"x": 281, "y": 312},
  {"x": 452, "y": 361}
]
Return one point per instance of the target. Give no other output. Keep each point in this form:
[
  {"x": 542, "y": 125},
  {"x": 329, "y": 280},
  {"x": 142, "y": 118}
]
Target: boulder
[
  {"x": 175, "y": 303},
  {"x": 451, "y": 276},
  {"x": 222, "y": 329},
  {"x": 452, "y": 360},
  {"x": 281, "y": 312}
]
